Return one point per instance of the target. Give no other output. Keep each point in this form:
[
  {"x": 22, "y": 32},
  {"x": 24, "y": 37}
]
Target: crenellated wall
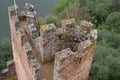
[
  {"x": 71, "y": 47},
  {"x": 75, "y": 51}
]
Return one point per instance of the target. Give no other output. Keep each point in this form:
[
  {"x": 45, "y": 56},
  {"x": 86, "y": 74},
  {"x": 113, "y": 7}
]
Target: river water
[{"x": 43, "y": 8}]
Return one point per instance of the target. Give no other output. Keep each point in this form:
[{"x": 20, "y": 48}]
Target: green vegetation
[
  {"x": 106, "y": 59},
  {"x": 49, "y": 19},
  {"x": 62, "y": 5},
  {"x": 5, "y": 53},
  {"x": 106, "y": 64}
]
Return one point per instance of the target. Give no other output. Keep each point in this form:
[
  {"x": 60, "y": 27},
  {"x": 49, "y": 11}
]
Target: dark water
[{"x": 43, "y": 8}]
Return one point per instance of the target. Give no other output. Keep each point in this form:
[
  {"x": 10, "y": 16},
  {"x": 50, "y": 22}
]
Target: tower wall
[
  {"x": 71, "y": 45},
  {"x": 26, "y": 67},
  {"x": 67, "y": 69},
  {"x": 75, "y": 51},
  {"x": 46, "y": 44}
]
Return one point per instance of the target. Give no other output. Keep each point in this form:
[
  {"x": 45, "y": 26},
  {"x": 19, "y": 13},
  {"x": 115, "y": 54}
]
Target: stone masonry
[
  {"x": 70, "y": 47},
  {"x": 26, "y": 65},
  {"x": 75, "y": 51}
]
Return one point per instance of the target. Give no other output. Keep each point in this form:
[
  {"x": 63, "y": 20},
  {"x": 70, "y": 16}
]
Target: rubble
[{"x": 27, "y": 47}]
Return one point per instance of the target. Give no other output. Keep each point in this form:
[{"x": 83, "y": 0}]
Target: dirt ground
[{"x": 46, "y": 70}]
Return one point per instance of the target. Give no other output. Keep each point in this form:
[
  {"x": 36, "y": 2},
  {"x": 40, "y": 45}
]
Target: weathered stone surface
[
  {"x": 72, "y": 47},
  {"x": 22, "y": 53},
  {"x": 75, "y": 54}
]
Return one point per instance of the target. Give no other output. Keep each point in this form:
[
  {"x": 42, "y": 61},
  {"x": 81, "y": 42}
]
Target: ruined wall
[
  {"x": 72, "y": 46},
  {"x": 25, "y": 68},
  {"x": 68, "y": 69},
  {"x": 75, "y": 51},
  {"x": 9, "y": 72},
  {"x": 46, "y": 44}
]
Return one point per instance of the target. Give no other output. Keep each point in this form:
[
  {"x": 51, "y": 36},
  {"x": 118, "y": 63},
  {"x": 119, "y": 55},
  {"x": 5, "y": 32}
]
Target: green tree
[
  {"x": 115, "y": 5},
  {"x": 114, "y": 21},
  {"x": 99, "y": 13},
  {"x": 114, "y": 73},
  {"x": 112, "y": 39},
  {"x": 105, "y": 64}
]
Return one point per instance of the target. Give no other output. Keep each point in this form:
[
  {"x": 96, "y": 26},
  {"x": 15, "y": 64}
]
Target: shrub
[
  {"x": 112, "y": 39},
  {"x": 114, "y": 73},
  {"x": 5, "y": 53},
  {"x": 48, "y": 19},
  {"x": 105, "y": 64},
  {"x": 53, "y": 19},
  {"x": 39, "y": 22},
  {"x": 62, "y": 5},
  {"x": 114, "y": 21}
]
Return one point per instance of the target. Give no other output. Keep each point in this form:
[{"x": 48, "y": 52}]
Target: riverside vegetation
[
  {"x": 105, "y": 14},
  {"x": 5, "y": 52}
]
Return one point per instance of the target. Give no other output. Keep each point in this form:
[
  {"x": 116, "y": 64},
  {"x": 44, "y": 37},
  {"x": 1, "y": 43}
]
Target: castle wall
[
  {"x": 46, "y": 44},
  {"x": 67, "y": 69},
  {"x": 19, "y": 56},
  {"x": 74, "y": 59},
  {"x": 25, "y": 68},
  {"x": 46, "y": 49},
  {"x": 71, "y": 45}
]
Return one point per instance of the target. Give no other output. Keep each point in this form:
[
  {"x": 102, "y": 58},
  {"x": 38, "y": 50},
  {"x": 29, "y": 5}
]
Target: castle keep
[{"x": 70, "y": 49}]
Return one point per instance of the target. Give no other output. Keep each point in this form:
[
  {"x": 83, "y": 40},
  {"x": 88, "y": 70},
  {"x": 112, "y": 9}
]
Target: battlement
[
  {"x": 75, "y": 50},
  {"x": 70, "y": 46}
]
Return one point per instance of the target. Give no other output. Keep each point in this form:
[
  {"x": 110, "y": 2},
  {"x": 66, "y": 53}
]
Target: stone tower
[
  {"x": 76, "y": 50},
  {"x": 70, "y": 48}
]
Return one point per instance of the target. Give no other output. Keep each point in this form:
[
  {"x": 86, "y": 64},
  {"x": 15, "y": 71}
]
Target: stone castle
[{"x": 64, "y": 53}]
